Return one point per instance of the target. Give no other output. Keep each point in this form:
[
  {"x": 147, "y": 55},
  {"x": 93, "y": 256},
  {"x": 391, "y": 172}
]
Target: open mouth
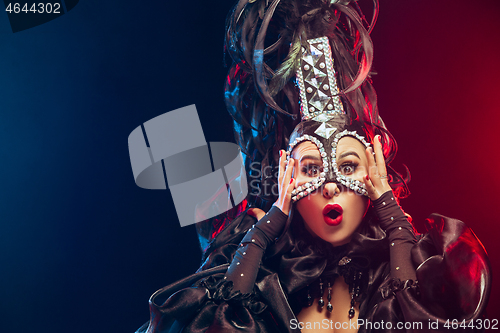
[{"x": 332, "y": 214}]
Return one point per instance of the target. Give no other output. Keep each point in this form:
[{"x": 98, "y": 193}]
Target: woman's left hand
[
  {"x": 376, "y": 181},
  {"x": 286, "y": 183}
]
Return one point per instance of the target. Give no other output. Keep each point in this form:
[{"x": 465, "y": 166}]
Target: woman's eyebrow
[
  {"x": 310, "y": 157},
  {"x": 347, "y": 153}
]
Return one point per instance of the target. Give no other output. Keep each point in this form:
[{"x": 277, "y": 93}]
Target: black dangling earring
[
  {"x": 355, "y": 290},
  {"x": 329, "y": 297},
  {"x": 321, "y": 302},
  {"x": 309, "y": 298},
  {"x": 351, "y": 310}
]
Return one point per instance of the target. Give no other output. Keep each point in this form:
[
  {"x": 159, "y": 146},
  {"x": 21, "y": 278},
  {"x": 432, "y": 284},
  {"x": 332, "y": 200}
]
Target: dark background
[{"x": 82, "y": 247}]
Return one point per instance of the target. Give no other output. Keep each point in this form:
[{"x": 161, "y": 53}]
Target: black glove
[
  {"x": 246, "y": 262},
  {"x": 399, "y": 233}
]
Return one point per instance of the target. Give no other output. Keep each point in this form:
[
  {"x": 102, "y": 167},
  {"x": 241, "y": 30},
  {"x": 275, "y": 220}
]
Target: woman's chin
[
  {"x": 337, "y": 239},
  {"x": 341, "y": 242}
]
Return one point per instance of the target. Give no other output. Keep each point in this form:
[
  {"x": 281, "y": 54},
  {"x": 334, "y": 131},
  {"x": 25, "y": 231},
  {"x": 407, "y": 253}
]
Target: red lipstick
[{"x": 333, "y": 214}]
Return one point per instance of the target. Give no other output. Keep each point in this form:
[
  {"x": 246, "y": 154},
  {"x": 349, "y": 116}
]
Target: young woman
[{"x": 332, "y": 250}]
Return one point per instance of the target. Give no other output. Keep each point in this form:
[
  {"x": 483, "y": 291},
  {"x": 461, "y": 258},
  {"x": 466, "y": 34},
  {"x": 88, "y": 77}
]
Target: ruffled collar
[
  {"x": 300, "y": 258},
  {"x": 307, "y": 258}
]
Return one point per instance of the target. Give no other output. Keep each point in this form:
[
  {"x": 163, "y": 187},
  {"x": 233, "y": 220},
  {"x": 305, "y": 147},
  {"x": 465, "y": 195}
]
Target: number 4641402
[{"x": 40, "y": 8}]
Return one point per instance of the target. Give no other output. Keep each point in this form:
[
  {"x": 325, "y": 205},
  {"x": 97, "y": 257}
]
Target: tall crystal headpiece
[{"x": 317, "y": 83}]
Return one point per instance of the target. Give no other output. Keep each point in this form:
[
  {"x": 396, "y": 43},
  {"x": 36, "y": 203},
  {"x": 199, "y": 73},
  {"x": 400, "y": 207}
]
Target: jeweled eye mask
[{"x": 330, "y": 171}]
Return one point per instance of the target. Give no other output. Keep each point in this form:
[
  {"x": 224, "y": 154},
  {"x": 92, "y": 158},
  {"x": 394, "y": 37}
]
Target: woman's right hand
[{"x": 285, "y": 183}]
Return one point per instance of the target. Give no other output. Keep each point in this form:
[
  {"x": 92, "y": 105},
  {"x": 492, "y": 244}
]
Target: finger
[
  {"x": 287, "y": 197},
  {"x": 282, "y": 165},
  {"x": 285, "y": 175},
  {"x": 370, "y": 188},
  {"x": 379, "y": 157},
  {"x": 372, "y": 167},
  {"x": 288, "y": 172}
]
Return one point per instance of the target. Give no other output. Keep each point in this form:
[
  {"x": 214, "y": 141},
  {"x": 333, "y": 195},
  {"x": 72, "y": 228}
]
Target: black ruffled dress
[{"x": 452, "y": 270}]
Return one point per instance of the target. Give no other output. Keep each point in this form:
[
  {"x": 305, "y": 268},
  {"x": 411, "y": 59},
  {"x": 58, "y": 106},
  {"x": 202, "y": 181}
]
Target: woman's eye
[
  {"x": 348, "y": 168},
  {"x": 311, "y": 170}
]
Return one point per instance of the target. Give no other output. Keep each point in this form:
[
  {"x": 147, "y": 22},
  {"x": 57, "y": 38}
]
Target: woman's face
[{"x": 332, "y": 212}]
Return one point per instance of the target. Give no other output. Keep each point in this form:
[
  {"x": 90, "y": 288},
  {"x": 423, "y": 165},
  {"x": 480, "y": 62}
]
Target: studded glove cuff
[
  {"x": 246, "y": 261},
  {"x": 399, "y": 233}
]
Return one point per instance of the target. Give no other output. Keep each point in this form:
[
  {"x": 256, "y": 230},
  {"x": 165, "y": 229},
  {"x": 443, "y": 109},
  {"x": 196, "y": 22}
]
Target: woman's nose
[{"x": 330, "y": 190}]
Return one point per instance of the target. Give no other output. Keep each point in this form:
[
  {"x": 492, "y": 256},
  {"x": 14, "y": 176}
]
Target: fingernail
[
  {"x": 291, "y": 180},
  {"x": 367, "y": 177},
  {"x": 379, "y": 139},
  {"x": 281, "y": 152}
]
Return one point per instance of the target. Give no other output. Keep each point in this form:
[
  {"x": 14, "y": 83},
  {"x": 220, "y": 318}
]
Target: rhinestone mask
[
  {"x": 330, "y": 172},
  {"x": 324, "y": 121}
]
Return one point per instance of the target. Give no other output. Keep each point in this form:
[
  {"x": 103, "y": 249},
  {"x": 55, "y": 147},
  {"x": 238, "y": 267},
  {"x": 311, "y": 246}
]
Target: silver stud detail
[
  {"x": 392, "y": 218},
  {"x": 241, "y": 274},
  {"x": 400, "y": 228},
  {"x": 309, "y": 90},
  {"x": 392, "y": 244},
  {"x": 268, "y": 221},
  {"x": 326, "y": 87},
  {"x": 397, "y": 268},
  {"x": 318, "y": 57}
]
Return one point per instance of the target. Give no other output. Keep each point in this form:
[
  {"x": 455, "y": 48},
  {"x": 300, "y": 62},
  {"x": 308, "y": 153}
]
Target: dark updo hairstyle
[{"x": 264, "y": 40}]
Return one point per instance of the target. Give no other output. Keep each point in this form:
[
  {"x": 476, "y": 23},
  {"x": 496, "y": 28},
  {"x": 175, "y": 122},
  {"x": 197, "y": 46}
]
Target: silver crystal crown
[{"x": 319, "y": 99}]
